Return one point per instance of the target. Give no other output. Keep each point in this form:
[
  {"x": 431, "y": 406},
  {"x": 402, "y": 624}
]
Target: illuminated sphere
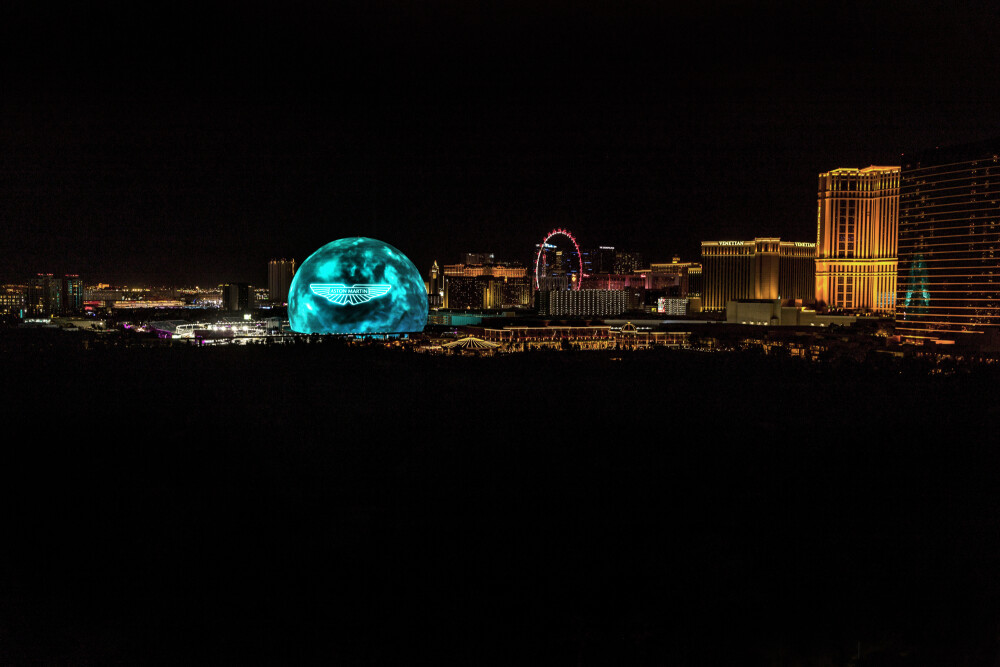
[{"x": 357, "y": 285}]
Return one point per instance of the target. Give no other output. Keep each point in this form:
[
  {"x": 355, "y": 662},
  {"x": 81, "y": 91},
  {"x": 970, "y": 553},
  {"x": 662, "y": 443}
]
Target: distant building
[
  {"x": 279, "y": 279},
  {"x": 485, "y": 258},
  {"x": 44, "y": 295},
  {"x": 466, "y": 292},
  {"x": 665, "y": 283},
  {"x": 102, "y": 295},
  {"x": 670, "y": 283},
  {"x": 633, "y": 284},
  {"x": 690, "y": 273},
  {"x": 435, "y": 287},
  {"x": 695, "y": 281},
  {"x": 671, "y": 306},
  {"x": 948, "y": 283},
  {"x": 598, "y": 260},
  {"x": 615, "y": 281},
  {"x": 148, "y": 303},
  {"x": 765, "y": 268},
  {"x": 583, "y": 303},
  {"x": 549, "y": 283},
  {"x": 857, "y": 222},
  {"x": 474, "y": 270},
  {"x": 627, "y": 261},
  {"x": 486, "y": 292},
  {"x": 72, "y": 294},
  {"x": 12, "y": 299},
  {"x": 237, "y": 297},
  {"x": 480, "y": 287},
  {"x": 770, "y": 312}
]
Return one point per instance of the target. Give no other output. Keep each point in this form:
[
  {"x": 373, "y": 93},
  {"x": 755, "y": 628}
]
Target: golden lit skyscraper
[
  {"x": 856, "y": 229},
  {"x": 765, "y": 268}
]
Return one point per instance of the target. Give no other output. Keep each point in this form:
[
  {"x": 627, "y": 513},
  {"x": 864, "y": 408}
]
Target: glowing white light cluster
[{"x": 348, "y": 295}]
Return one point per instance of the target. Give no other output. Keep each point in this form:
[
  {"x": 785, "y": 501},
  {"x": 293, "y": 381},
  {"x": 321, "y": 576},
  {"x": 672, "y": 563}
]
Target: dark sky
[{"x": 192, "y": 143}]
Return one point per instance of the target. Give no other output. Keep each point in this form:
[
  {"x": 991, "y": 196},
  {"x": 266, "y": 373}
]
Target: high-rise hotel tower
[
  {"x": 280, "y": 273},
  {"x": 765, "y": 268},
  {"x": 856, "y": 225},
  {"x": 949, "y": 243}
]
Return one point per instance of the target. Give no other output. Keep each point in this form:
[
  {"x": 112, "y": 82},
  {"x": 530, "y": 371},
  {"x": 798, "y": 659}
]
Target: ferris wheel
[{"x": 540, "y": 259}]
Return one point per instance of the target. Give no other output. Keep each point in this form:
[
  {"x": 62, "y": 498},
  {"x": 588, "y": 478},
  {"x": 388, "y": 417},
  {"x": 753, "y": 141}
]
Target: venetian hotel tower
[{"x": 857, "y": 225}]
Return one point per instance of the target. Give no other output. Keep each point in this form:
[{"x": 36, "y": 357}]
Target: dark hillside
[{"x": 320, "y": 502}]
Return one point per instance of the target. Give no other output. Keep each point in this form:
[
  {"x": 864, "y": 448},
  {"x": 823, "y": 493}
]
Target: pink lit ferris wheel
[{"x": 571, "y": 267}]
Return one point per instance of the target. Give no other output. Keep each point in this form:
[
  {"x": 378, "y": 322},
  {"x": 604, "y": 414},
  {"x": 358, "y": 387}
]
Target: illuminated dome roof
[{"x": 357, "y": 285}]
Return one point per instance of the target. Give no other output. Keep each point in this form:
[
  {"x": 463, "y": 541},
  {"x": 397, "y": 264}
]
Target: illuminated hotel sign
[
  {"x": 730, "y": 242},
  {"x": 799, "y": 244},
  {"x": 348, "y": 295}
]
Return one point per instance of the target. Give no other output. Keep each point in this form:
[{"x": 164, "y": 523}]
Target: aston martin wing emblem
[{"x": 348, "y": 295}]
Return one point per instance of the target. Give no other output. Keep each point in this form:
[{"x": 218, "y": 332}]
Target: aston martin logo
[{"x": 348, "y": 295}]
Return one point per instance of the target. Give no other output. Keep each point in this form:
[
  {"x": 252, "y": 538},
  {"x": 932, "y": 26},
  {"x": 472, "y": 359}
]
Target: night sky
[{"x": 191, "y": 143}]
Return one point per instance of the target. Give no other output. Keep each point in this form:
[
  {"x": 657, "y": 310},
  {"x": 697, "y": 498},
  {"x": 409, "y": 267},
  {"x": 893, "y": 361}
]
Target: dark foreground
[{"x": 323, "y": 504}]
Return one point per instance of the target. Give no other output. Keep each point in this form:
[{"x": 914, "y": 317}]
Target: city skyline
[
  {"x": 196, "y": 159},
  {"x": 742, "y": 457}
]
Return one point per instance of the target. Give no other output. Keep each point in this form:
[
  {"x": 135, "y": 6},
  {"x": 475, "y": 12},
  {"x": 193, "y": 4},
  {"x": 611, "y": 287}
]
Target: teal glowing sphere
[{"x": 357, "y": 286}]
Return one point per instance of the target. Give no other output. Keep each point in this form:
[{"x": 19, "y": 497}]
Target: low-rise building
[{"x": 770, "y": 312}]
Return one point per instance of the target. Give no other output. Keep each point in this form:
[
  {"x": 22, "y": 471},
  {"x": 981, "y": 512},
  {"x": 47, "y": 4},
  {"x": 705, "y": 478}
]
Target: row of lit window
[
  {"x": 936, "y": 311},
  {"x": 922, "y": 212},
  {"x": 935, "y": 184},
  {"x": 974, "y": 187},
  {"x": 940, "y": 249},
  {"x": 910, "y": 230},
  {"x": 968, "y": 165}
]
